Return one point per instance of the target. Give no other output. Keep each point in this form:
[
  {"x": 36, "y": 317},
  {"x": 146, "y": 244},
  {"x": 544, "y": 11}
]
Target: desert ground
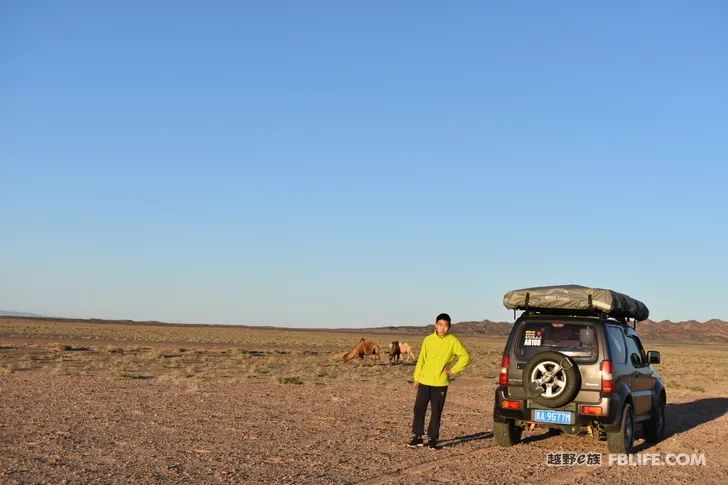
[{"x": 114, "y": 403}]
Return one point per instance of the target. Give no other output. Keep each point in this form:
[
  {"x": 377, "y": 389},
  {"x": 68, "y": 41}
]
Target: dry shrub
[
  {"x": 67, "y": 348},
  {"x": 168, "y": 354},
  {"x": 134, "y": 375},
  {"x": 58, "y": 347},
  {"x": 176, "y": 377},
  {"x": 19, "y": 366},
  {"x": 290, "y": 380}
]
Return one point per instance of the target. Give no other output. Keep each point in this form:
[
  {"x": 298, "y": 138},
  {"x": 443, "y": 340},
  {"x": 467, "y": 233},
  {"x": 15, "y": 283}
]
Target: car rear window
[{"x": 577, "y": 340}]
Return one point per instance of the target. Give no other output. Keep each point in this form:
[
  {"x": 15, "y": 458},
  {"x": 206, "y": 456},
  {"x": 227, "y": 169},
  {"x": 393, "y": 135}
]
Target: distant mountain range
[
  {"x": 5, "y": 313},
  {"x": 690, "y": 331},
  {"x": 485, "y": 327},
  {"x": 666, "y": 331}
]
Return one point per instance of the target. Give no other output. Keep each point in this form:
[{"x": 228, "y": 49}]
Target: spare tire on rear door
[{"x": 551, "y": 379}]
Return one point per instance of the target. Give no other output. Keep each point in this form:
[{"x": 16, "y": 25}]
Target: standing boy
[{"x": 432, "y": 376}]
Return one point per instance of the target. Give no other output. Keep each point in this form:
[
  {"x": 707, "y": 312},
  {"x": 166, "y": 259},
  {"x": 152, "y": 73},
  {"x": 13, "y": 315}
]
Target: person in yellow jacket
[{"x": 432, "y": 376}]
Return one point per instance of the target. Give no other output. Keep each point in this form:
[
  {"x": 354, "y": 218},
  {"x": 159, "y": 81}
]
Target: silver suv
[{"x": 578, "y": 370}]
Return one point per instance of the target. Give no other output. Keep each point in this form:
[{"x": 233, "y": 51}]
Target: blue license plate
[{"x": 557, "y": 417}]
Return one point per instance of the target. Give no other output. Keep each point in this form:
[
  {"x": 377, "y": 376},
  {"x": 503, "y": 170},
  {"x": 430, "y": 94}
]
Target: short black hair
[{"x": 443, "y": 316}]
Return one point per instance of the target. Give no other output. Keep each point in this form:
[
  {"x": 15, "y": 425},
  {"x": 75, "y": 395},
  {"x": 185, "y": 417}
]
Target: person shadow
[
  {"x": 680, "y": 417},
  {"x": 458, "y": 440},
  {"x": 487, "y": 435}
]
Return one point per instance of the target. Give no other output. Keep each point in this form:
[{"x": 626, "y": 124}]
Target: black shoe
[
  {"x": 415, "y": 442},
  {"x": 432, "y": 445}
]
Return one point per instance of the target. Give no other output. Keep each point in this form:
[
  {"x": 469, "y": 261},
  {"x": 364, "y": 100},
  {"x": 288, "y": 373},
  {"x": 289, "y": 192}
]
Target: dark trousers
[{"x": 435, "y": 395}]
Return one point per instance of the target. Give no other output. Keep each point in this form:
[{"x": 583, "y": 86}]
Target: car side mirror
[{"x": 653, "y": 357}]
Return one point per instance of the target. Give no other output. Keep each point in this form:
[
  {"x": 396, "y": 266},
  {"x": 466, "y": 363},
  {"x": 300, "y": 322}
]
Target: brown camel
[
  {"x": 362, "y": 348},
  {"x": 394, "y": 352}
]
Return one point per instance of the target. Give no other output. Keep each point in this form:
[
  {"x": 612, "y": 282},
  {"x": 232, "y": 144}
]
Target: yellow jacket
[{"x": 435, "y": 356}]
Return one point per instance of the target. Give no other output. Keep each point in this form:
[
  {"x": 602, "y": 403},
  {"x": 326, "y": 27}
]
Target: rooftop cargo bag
[{"x": 575, "y": 297}]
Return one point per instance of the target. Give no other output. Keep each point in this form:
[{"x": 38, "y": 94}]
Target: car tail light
[
  {"x": 503, "y": 376},
  {"x": 593, "y": 410},
  {"x": 607, "y": 381},
  {"x": 506, "y": 404}
]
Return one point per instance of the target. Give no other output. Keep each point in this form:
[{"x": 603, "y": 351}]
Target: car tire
[
  {"x": 655, "y": 427},
  {"x": 507, "y": 434},
  {"x": 622, "y": 441},
  {"x": 561, "y": 389}
]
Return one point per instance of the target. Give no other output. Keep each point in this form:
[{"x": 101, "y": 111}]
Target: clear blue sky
[{"x": 344, "y": 164}]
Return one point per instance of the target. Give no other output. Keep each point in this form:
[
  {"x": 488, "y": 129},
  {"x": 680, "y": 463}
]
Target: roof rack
[{"x": 575, "y": 313}]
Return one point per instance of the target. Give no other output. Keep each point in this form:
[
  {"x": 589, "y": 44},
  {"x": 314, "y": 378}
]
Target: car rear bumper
[{"x": 609, "y": 405}]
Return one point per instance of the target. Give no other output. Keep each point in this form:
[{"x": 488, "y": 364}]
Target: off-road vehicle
[{"x": 572, "y": 363}]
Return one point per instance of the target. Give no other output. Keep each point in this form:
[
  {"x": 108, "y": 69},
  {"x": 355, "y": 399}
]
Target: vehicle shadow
[
  {"x": 680, "y": 417},
  {"x": 686, "y": 415},
  {"x": 465, "y": 438}
]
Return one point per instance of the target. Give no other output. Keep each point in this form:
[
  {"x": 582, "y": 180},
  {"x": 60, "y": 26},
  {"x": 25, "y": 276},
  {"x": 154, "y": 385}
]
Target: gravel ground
[{"x": 101, "y": 429}]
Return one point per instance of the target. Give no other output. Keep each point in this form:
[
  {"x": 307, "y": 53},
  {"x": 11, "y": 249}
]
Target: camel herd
[{"x": 398, "y": 351}]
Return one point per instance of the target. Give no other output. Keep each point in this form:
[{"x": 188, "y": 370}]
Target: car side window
[
  {"x": 643, "y": 354},
  {"x": 617, "y": 345},
  {"x": 635, "y": 352}
]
